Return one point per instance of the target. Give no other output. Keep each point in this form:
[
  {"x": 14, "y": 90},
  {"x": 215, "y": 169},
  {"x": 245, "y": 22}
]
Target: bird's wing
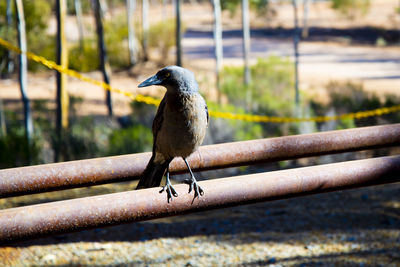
[{"x": 157, "y": 122}]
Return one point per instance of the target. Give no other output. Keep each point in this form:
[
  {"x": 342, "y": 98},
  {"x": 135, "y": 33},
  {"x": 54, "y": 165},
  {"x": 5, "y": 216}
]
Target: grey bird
[{"x": 178, "y": 128}]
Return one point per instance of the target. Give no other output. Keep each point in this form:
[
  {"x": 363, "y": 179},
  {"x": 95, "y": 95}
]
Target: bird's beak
[{"x": 153, "y": 80}]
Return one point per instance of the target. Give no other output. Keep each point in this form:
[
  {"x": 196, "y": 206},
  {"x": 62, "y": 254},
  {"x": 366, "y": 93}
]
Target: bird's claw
[
  {"x": 170, "y": 191},
  {"x": 193, "y": 186}
]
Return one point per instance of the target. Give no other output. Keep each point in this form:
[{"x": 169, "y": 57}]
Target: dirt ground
[{"x": 350, "y": 228}]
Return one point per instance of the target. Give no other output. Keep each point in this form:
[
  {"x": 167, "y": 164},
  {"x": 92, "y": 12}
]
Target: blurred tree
[
  {"x": 78, "y": 13},
  {"x": 296, "y": 39},
  {"x": 62, "y": 94},
  {"x": 130, "y": 9},
  {"x": 3, "y": 127},
  {"x": 351, "y": 8},
  {"x": 260, "y": 6},
  {"x": 246, "y": 49},
  {"x": 164, "y": 10},
  {"x": 23, "y": 68},
  {"x": 104, "y": 65},
  {"x": 72, "y": 6},
  {"x": 145, "y": 28},
  {"x": 218, "y": 44},
  {"x": 306, "y": 7},
  {"x": 7, "y": 65},
  {"x": 37, "y": 14},
  {"x": 178, "y": 32}
]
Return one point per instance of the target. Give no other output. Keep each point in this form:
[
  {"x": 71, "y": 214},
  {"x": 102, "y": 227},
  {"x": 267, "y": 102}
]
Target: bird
[{"x": 179, "y": 127}]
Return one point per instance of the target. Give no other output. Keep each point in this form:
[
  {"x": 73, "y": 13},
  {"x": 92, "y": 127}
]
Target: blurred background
[
  {"x": 290, "y": 59},
  {"x": 348, "y": 61}
]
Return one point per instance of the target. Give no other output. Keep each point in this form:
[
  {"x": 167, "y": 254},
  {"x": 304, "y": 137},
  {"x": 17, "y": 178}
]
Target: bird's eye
[{"x": 167, "y": 74}]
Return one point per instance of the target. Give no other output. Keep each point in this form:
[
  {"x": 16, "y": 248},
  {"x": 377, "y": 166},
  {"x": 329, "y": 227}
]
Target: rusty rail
[
  {"x": 48, "y": 177},
  {"x": 83, "y": 213}
]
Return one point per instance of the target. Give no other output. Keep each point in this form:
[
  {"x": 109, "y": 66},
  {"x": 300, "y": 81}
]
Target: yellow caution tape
[{"x": 217, "y": 114}]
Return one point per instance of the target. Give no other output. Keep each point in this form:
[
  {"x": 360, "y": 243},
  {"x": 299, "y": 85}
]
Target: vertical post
[
  {"x": 218, "y": 44},
  {"x": 145, "y": 28},
  {"x": 306, "y": 8},
  {"x": 78, "y": 12},
  {"x": 9, "y": 64},
  {"x": 61, "y": 79},
  {"x": 130, "y": 9},
  {"x": 3, "y": 127},
  {"x": 246, "y": 50},
  {"x": 296, "y": 39},
  {"x": 23, "y": 74},
  {"x": 178, "y": 33},
  {"x": 164, "y": 10},
  {"x": 398, "y": 13},
  {"x": 104, "y": 65}
]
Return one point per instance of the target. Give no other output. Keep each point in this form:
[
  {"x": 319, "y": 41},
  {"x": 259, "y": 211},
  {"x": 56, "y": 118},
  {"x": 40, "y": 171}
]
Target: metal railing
[
  {"x": 49, "y": 177},
  {"x": 132, "y": 206},
  {"x": 83, "y": 213}
]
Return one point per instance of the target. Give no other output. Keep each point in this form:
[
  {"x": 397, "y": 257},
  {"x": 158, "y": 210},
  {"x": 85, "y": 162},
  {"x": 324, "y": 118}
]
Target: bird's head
[{"x": 175, "y": 79}]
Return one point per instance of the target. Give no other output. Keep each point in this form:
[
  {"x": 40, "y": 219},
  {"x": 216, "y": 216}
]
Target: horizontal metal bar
[
  {"x": 132, "y": 206},
  {"x": 33, "y": 179}
]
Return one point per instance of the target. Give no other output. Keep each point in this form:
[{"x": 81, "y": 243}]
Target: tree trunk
[
  {"x": 61, "y": 78},
  {"x": 178, "y": 33},
  {"x": 104, "y": 65},
  {"x": 3, "y": 126},
  {"x": 218, "y": 44},
  {"x": 145, "y": 28},
  {"x": 306, "y": 7},
  {"x": 8, "y": 66},
  {"x": 296, "y": 39},
  {"x": 164, "y": 10},
  {"x": 246, "y": 50},
  {"x": 23, "y": 74},
  {"x": 130, "y": 8},
  {"x": 78, "y": 12}
]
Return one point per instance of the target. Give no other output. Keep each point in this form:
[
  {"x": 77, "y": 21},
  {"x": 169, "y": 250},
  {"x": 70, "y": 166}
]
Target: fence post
[
  {"x": 104, "y": 65},
  {"x": 78, "y": 13},
  {"x": 62, "y": 94},
  {"x": 130, "y": 9},
  {"x": 246, "y": 51},
  {"x": 178, "y": 33},
  {"x": 218, "y": 44},
  {"x": 23, "y": 69},
  {"x": 296, "y": 39}
]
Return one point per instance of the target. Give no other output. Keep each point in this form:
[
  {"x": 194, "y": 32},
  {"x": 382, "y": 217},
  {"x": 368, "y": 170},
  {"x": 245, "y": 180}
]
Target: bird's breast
[{"x": 184, "y": 125}]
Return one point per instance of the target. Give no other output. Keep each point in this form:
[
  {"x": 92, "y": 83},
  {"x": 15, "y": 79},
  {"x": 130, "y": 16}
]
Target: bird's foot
[
  {"x": 193, "y": 186},
  {"x": 170, "y": 191}
]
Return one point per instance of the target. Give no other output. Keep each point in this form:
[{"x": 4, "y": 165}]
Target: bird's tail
[{"x": 153, "y": 174}]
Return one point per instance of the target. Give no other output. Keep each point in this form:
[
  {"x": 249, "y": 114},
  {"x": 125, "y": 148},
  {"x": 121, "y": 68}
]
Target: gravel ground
[{"x": 350, "y": 228}]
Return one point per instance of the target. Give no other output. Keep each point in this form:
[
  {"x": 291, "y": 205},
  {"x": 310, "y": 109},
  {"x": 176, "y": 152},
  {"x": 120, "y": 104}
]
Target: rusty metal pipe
[
  {"x": 132, "y": 206},
  {"x": 48, "y": 177}
]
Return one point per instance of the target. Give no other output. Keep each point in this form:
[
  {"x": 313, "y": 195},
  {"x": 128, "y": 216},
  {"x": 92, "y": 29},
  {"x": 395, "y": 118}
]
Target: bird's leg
[
  {"x": 168, "y": 187},
  {"x": 193, "y": 183}
]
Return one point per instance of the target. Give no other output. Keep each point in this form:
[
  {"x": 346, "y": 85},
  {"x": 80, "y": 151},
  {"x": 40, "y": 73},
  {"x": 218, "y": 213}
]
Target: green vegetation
[
  {"x": 160, "y": 37},
  {"x": 260, "y": 6},
  {"x": 84, "y": 59},
  {"x": 271, "y": 93},
  {"x": 14, "y": 149},
  {"x": 116, "y": 38},
  {"x": 87, "y": 59},
  {"x": 129, "y": 140},
  {"x": 351, "y": 97},
  {"x": 271, "y": 89},
  {"x": 37, "y": 14},
  {"x": 351, "y": 8}
]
